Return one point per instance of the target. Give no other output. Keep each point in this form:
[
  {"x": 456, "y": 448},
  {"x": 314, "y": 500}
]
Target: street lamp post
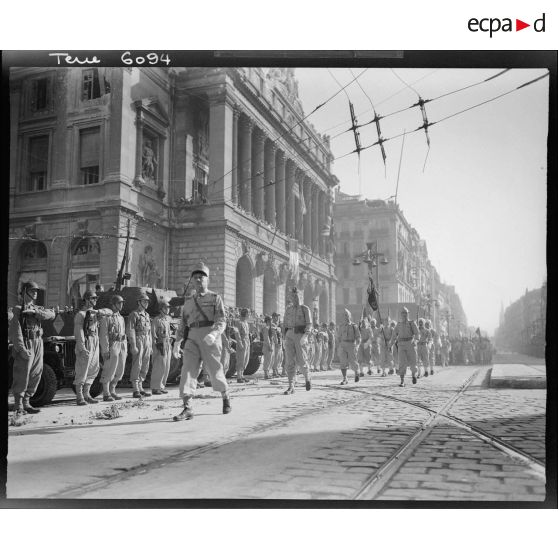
[{"x": 371, "y": 257}]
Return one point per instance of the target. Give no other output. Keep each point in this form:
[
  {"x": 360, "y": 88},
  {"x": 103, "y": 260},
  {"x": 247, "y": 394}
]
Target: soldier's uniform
[
  {"x": 445, "y": 350},
  {"x": 112, "y": 338},
  {"x": 195, "y": 349},
  {"x": 269, "y": 336},
  {"x": 86, "y": 333},
  {"x": 325, "y": 347},
  {"x": 277, "y": 348},
  {"x": 26, "y": 334},
  {"x": 385, "y": 352},
  {"x": 242, "y": 336},
  {"x": 433, "y": 346},
  {"x": 139, "y": 336},
  {"x": 405, "y": 334},
  {"x": 468, "y": 351},
  {"x": 317, "y": 348},
  {"x": 425, "y": 338},
  {"x": 364, "y": 354},
  {"x": 391, "y": 351},
  {"x": 348, "y": 340},
  {"x": 297, "y": 324},
  {"x": 331, "y": 344},
  {"x": 162, "y": 350}
]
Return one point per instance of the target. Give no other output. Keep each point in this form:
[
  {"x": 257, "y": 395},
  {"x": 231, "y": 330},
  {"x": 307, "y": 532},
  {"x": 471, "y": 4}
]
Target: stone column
[
  {"x": 220, "y": 146},
  {"x": 258, "y": 139},
  {"x": 307, "y": 233},
  {"x": 321, "y": 221},
  {"x": 290, "y": 201},
  {"x": 245, "y": 163},
  {"x": 269, "y": 182},
  {"x": 280, "y": 196},
  {"x": 298, "y": 205},
  {"x": 138, "y": 179},
  {"x": 234, "y": 173},
  {"x": 315, "y": 209}
]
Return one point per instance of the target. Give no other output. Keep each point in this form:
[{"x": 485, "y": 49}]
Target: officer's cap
[
  {"x": 164, "y": 302},
  {"x": 89, "y": 293},
  {"x": 201, "y": 268},
  {"x": 142, "y": 296},
  {"x": 28, "y": 286},
  {"x": 116, "y": 299}
]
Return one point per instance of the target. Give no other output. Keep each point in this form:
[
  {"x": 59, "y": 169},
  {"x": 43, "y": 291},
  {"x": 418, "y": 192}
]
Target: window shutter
[{"x": 89, "y": 148}]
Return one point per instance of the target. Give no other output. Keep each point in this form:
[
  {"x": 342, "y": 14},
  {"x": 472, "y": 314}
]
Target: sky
[{"x": 479, "y": 201}]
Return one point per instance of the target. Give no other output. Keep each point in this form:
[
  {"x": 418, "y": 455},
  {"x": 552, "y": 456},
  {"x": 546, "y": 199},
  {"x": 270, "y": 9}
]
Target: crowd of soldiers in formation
[{"x": 208, "y": 335}]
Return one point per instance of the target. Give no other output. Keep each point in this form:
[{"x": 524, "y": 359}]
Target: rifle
[{"x": 121, "y": 276}]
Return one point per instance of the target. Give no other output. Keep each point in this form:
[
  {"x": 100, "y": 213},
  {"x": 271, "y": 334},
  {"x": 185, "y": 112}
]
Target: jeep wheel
[
  {"x": 253, "y": 365},
  {"x": 46, "y": 389}
]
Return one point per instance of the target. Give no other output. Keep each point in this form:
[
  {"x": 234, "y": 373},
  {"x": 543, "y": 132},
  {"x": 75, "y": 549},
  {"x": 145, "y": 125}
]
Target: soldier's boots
[
  {"x": 344, "y": 381},
  {"x": 289, "y": 390},
  {"x": 432, "y": 372},
  {"x": 308, "y": 385},
  {"x": 87, "y": 395},
  {"x": 28, "y": 408},
  {"x": 137, "y": 395},
  {"x": 226, "y": 405},
  {"x": 112, "y": 391},
  {"x": 357, "y": 377},
  {"x": 426, "y": 373},
  {"x": 186, "y": 414},
  {"x": 18, "y": 405},
  {"x": 80, "y": 399}
]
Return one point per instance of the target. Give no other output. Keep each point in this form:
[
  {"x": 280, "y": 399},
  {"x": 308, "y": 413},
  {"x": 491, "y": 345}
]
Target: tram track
[{"x": 373, "y": 485}]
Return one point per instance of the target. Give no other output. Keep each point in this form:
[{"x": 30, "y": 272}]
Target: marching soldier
[
  {"x": 86, "y": 333},
  {"x": 445, "y": 350},
  {"x": 422, "y": 347},
  {"x": 114, "y": 348},
  {"x": 162, "y": 349},
  {"x": 331, "y": 344},
  {"x": 141, "y": 344},
  {"x": 405, "y": 335},
  {"x": 317, "y": 348},
  {"x": 297, "y": 325},
  {"x": 385, "y": 353},
  {"x": 269, "y": 335},
  {"x": 348, "y": 340},
  {"x": 277, "y": 346},
  {"x": 364, "y": 354},
  {"x": 204, "y": 316},
  {"x": 25, "y": 333},
  {"x": 242, "y": 336},
  {"x": 432, "y": 346},
  {"x": 375, "y": 344},
  {"x": 391, "y": 353}
]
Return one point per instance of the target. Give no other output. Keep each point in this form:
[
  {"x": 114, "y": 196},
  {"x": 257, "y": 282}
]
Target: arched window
[{"x": 84, "y": 272}]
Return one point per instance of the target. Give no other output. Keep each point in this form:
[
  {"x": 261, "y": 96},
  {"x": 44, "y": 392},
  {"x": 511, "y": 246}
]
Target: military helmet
[
  {"x": 331, "y": 324},
  {"x": 421, "y": 321},
  {"x": 29, "y": 285},
  {"x": 116, "y": 299},
  {"x": 201, "y": 268},
  {"x": 392, "y": 323},
  {"x": 373, "y": 321},
  {"x": 244, "y": 312},
  {"x": 267, "y": 318},
  {"x": 89, "y": 293},
  {"x": 142, "y": 296},
  {"x": 275, "y": 315},
  {"x": 427, "y": 322}
]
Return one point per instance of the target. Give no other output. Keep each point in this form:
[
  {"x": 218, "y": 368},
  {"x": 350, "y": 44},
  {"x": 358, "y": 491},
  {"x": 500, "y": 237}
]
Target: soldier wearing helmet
[
  {"x": 425, "y": 338},
  {"x": 277, "y": 346},
  {"x": 114, "y": 348},
  {"x": 297, "y": 325},
  {"x": 139, "y": 338},
  {"x": 204, "y": 315},
  {"x": 242, "y": 337},
  {"x": 25, "y": 333},
  {"x": 331, "y": 343},
  {"x": 405, "y": 335},
  {"x": 433, "y": 345},
  {"x": 348, "y": 341},
  {"x": 86, "y": 333},
  {"x": 162, "y": 349}
]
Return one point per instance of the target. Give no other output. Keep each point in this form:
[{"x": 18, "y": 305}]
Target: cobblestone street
[{"x": 447, "y": 438}]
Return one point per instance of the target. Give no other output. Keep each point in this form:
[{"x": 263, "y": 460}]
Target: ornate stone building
[
  {"x": 402, "y": 272},
  {"x": 209, "y": 164}
]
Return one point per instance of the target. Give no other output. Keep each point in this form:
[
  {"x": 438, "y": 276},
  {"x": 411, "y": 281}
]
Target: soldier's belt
[
  {"x": 32, "y": 334},
  {"x": 405, "y": 338},
  {"x": 297, "y": 329},
  {"x": 206, "y": 323},
  {"x": 114, "y": 338}
]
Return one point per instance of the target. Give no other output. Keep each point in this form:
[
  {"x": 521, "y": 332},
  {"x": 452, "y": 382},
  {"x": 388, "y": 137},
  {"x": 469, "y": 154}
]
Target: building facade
[
  {"x": 402, "y": 271},
  {"x": 211, "y": 164},
  {"x": 522, "y": 326}
]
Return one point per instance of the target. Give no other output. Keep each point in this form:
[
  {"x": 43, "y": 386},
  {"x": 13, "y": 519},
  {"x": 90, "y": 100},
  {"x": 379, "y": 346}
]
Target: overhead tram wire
[{"x": 452, "y": 115}]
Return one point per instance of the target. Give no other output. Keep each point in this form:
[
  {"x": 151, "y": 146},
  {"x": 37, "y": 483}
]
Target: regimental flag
[
  {"x": 293, "y": 257},
  {"x": 372, "y": 295}
]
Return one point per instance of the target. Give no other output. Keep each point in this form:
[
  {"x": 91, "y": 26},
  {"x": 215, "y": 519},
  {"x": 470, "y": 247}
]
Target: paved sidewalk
[{"x": 518, "y": 376}]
